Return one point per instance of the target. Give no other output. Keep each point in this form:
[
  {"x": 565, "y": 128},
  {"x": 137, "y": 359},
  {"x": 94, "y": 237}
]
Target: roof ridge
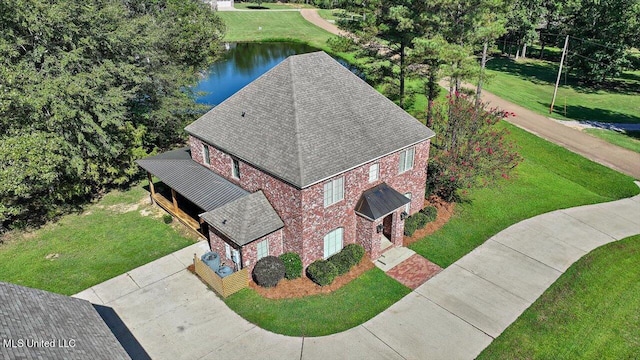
[{"x": 296, "y": 123}]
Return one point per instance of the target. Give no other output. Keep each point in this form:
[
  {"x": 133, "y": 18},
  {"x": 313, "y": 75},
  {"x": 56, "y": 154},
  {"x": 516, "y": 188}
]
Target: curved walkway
[
  {"x": 455, "y": 315},
  {"x": 312, "y": 16}
]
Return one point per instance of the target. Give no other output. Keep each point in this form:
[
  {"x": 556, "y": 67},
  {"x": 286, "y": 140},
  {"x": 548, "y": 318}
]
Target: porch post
[
  {"x": 151, "y": 186},
  {"x": 175, "y": 201}
]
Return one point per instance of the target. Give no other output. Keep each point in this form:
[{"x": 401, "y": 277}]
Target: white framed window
[
  {"x": 406, "y": 160},
  {"x": 407, "y": 207},
  {"x": 227, "y": 251},
  {"x": 263, "y": 249},
  {"x": 374, "y": 172},
  {"x": 333, "y": 191},
  {"x": 235, "y": 168},
  {"x": 333, "y": 242},
  {"x": 205, "y": 154}
]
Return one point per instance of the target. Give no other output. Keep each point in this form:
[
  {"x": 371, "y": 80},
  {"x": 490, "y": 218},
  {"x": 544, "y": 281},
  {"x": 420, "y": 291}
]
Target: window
[
  {"x": 227, "y": 251},
  {"x": 205, "y": 152},
  {"x": 333, "y": 191},
  {"x": 235, "y": 168},
  {"x": 406, "y": 160},
  {"x": 407, "y": 207},
  {"x": 333, "y": 242},
  {"x": 263, "y": 249},
  {"x": 374, "y": 171}
]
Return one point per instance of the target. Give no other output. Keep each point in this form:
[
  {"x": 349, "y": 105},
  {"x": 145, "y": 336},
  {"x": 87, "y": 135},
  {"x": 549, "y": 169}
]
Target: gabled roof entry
[
  {"x": 307, "y": 119},
  {"x": 379, "y": 201}
]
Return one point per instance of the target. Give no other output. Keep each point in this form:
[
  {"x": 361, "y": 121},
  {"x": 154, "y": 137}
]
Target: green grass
[
  {"x": 530, "y": 84},
  {"x": 590, "y": 312},
  {"x": 318, "y": 315},
  {"x": 628, "y": 140},
  {"x": 276, "y": 25},
  {"x": 549, "y": 178},
  {"x": 104, "y": 241},
  {"x": 270, "y": 6},
  {"x": 329, "y": 14}
]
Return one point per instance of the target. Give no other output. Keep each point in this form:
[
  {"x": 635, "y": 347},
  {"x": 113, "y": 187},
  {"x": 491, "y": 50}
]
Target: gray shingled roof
[
  {"x": 31, "y": 314},
  {"x": 307, "y": 119},
  {"x": 379, "y": 201},
  {"x": 195, "y": 182},
  {"x": 246, "y": 219}
]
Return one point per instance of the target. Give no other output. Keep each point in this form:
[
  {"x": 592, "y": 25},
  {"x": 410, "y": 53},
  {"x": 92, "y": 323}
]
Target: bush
[
  {"x": 167, "y": 218},
  {"x": 414, "y": 222},
  {"x": 355, "y": 251},
  {"x": 292, "y": 265},
  {"x": 268, "y": 271},
  {"x": 322, "y": 272},
  {"x": 430, "y": 212},
  {"x": 342, "y": 261}
]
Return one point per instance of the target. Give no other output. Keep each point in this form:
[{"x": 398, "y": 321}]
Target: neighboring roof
[
  {"x": 379, "y": 201},
  {"x": 246, "y": 219},
  {"x": 37, "y": 315},
  {"x": 200, "y": 185},
  {"x": 307, "y": 119}
]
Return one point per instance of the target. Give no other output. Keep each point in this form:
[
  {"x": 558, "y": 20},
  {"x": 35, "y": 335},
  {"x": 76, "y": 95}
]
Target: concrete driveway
[{"x": 455, "y": 315}]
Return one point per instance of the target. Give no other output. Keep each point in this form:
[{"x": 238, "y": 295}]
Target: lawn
[
  {"x": 80, "y": 250},
  {"x": 318, "y": 315},
  {"x": 271, "y": 26},
  {"x": 549, "y": 178},
  {"x": 590, "y": 312},
  {"x": 628, "y": 140},
  {"x": 270, "y": 6},
  {"x": 530, "y": 84}
]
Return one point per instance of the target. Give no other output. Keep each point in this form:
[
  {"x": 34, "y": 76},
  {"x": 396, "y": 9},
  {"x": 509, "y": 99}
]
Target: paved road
[
  {"x": 598, "y": 150},
  {"x": 455, "y": 315}
]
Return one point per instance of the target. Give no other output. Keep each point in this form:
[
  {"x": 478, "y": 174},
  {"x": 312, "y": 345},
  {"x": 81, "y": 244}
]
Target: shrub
[
  {"x": 167, "y": 218},
  {"x": 322, "y": 272},
  {"x": 430, "y": 212},
  {"x": 355, "y": 251},
  {"x": 414, "y": 222},
  {"x": 342, "y": 261},
  {"x": 268, "y": 271},
  {"x": 292, "y": 265}
]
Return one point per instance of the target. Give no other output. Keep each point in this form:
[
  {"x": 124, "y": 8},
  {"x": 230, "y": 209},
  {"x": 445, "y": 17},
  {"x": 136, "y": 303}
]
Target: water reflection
[{"x": 242, "y": 63}]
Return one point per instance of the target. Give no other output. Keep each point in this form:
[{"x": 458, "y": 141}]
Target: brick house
[{"x": 307, "y": 158}]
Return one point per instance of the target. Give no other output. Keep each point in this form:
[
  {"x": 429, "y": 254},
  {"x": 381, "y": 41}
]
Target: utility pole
[{"x": 555, "y": 91}]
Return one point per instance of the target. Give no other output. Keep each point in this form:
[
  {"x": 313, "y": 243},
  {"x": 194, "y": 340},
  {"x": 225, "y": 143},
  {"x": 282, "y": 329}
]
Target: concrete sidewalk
[{"x": 455, "y": 315}]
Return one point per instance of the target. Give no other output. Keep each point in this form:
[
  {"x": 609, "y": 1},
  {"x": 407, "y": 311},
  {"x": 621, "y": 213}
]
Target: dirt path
[
  {"x": 598, "y": 150},
  {"x": 311, "y": 15}
]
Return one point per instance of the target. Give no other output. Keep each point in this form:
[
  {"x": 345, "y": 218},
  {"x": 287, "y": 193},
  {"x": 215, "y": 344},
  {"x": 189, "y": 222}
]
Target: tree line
[{"x": 88, "y": 86}]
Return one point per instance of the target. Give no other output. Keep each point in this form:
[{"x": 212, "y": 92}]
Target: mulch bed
[
  {"x": 445, "y": 211},
  {"x": 301, "y": 287},
  {"x": 413, "y": 272}
]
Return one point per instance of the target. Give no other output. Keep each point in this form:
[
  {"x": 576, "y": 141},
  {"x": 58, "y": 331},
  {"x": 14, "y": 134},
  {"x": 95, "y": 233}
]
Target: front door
[{"x": 387, "y": 223}]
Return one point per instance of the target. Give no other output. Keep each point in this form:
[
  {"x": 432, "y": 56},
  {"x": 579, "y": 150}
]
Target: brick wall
[
  {"x": 250, "y": 251},
  {"x": 306, "y": 219},
  {"x": 284, "y": 198}
]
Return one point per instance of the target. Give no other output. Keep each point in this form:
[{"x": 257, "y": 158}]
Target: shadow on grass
[
  {"x": 545, "y": 73},
  {"x": 578, "y": 112}
]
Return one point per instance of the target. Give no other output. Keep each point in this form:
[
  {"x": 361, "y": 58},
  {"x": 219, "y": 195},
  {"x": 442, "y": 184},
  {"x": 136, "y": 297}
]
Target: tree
[
  {"x": 105, "y": 80},
  {"x": 427, "y": 58},
  {"x": 603, "y": 32},
  {"x": 396, "y": 22},
  {"x": 523, "y": 18},
  {"x": 469, "y": 149}
]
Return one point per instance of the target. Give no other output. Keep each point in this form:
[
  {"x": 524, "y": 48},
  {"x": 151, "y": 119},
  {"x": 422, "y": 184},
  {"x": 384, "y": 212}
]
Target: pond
[{"x": 240, "y": 64}]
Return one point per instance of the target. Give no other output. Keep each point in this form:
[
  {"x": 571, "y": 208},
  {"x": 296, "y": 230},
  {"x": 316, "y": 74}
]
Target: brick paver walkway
[{"x": 414, "y": 271}]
